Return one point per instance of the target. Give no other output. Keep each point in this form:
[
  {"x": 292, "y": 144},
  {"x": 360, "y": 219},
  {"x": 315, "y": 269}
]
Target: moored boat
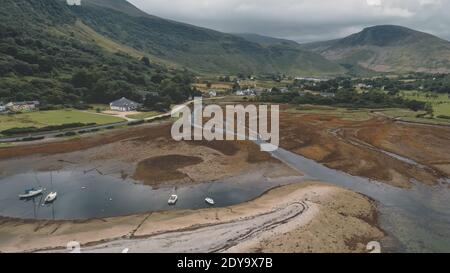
[
  {"x": 173, "y": 199},
  {"x": 50, "y": 197},
  {"x": 31, "y": 193},
  {"x": 209, "y": 201}
]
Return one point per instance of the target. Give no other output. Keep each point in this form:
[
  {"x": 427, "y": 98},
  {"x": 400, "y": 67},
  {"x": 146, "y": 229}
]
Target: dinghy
[
  {"x": 50, "y": 197},
  {"x": 173, "y": 199},
  {"x": 209, "y": 201},
  {"x": 31, "y": 193}
]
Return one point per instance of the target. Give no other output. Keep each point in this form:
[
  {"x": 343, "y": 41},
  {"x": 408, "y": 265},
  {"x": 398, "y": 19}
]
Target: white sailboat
[
  {"x": 173, "y": 199},
  {"x": 31, "y": 193},
  {"x": 210, "y": 201},
  {"x": 51, "y": 197}
]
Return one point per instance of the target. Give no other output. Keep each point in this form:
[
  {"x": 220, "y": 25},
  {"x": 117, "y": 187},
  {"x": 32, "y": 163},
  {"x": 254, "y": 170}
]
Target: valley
[{"x": 86, "y": 97}]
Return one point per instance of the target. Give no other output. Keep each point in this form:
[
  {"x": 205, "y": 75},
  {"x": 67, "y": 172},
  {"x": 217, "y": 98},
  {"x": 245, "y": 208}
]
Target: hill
[
  {"x": 388, "y": 48},
  {"x": 199, "y": 49},
  {"x": 47, "y": 53}
]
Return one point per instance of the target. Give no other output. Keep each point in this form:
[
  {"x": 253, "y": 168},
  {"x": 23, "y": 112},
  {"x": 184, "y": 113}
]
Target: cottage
[
  {"x": 2, "y": 107},
  {"x": 124, "y": 105},
  {"x": 21, "y": 106}
]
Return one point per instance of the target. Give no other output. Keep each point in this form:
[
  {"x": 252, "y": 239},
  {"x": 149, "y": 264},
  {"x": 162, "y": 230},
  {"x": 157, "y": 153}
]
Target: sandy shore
[{"x": 306, "y": 217}]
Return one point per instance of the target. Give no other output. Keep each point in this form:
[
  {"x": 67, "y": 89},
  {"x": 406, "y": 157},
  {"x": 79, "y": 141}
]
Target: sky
[{"x": 304, "y": 20}]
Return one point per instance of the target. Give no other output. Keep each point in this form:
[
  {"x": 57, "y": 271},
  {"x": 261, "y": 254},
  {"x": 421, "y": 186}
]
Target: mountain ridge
[
  {"x": 199, "y": 49},
  {"x": 388, "y": 48}
]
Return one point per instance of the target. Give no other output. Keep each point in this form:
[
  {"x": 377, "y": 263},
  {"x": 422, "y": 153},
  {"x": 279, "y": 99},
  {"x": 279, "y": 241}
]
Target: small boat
[
  {"x": 173, "y": 199},
  {"x": 209, "y": 201},
  {"x": 31, "y": 193},
  {"x": 50, "y": 197}
]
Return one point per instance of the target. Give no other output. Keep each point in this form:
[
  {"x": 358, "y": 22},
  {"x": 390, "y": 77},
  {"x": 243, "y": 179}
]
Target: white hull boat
[
  {"x": 173, "y": 199},
  {"x": 209, "y": 201},
  {"x": 51, "y": 197},
  {"x": 31, "y": 193}
]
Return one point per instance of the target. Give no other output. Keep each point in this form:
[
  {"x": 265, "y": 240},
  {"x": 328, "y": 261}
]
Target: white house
[
  {"x": 74, "y": 2},
  {"x": 21, "y": 106},
  {"x": 124, "y": 105},
  {"x": 2, "y": 107}
]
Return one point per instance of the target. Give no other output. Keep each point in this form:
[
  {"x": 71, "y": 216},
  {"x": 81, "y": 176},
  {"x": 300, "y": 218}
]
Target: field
[
  {"x": 342, "y": 113},
  {"x": 440, "y": 102},
  {"x": 144, "y": 115},
  {"x": 56, "y": 117},
  {"x": 221, "y": 87}
]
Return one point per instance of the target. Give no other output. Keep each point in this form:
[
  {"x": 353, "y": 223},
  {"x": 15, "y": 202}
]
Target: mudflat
[
  {"x": 147, "y": 153},
  {"x": 379, "y": 148},
  {"x": 305, "y": 217}
]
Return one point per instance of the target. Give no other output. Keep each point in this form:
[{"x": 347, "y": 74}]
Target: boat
[
  {"x": 50, "y": 197},
  {"x": 31, "y": 193},
  {"x": 173, "y": 199},
  {"x": 209, "y": 201}
]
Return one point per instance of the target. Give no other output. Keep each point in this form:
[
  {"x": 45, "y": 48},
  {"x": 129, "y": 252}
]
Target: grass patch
[
  {"x": 409, "y": 115},
  {"x": 342, "y": 113},
  {"x": 144, "y": 115},
  {"x": 440, "y": 102},
  {"x": 41, "y": 119}
]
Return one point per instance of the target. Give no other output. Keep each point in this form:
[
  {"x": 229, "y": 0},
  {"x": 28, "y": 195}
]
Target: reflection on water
[
  {"x": 83, "y": 196},
  {"x": 418, "y": 219}
]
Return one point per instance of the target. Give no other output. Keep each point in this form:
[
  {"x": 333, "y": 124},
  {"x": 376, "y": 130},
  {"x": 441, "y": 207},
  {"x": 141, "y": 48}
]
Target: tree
[{"x": 145, "y": 60}]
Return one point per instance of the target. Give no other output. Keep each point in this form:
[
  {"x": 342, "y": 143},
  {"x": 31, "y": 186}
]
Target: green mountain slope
[
  {"x": 48, "y": 54},
  {"x": 388, "y": 49},
  {"x": 266, "y": 40},
  {"x": 199, "y": 49}
]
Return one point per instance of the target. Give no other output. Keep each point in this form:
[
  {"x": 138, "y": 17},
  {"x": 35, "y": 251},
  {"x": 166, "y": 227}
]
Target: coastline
[{"x": 326, "y": 203}]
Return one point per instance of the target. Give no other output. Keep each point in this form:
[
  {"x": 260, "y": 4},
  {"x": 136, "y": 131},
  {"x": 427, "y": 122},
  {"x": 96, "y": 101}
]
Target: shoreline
[{"x": 148, "y": 225}]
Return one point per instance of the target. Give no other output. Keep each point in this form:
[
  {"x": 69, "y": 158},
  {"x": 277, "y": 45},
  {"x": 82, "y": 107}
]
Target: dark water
[
  {"x": 416, "y": 220},
  {"x": 106, "y": 196}
]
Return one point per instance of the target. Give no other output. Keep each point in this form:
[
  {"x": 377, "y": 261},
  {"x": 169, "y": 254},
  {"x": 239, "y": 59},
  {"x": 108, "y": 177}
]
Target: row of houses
[
  {"x": 259, "y": 91},
  {"x": 19, "y": 106}
]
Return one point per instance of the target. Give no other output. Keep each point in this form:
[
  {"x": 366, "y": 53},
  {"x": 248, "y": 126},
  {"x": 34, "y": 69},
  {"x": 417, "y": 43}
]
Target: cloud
[{"x": 304, "y": 20}]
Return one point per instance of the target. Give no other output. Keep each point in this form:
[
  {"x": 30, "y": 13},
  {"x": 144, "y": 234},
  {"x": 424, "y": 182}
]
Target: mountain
[
  {"x": 266, "y": 40},
  {"x": 199, "y": 49},
  {"x": 387, "y": 48},
  {"x": 47, "y": 53}
]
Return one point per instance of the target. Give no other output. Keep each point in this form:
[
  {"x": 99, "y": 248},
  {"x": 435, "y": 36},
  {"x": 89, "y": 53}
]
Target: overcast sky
[{"x": 304, "y": 20}]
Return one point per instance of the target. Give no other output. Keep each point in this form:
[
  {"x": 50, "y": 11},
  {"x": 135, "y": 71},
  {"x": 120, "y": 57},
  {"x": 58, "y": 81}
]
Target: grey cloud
[{"x": 304, "y": 20}]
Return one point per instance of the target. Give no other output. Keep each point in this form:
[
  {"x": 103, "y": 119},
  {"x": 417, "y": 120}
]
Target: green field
[
  {"x": 409, "y": 115},
  {"x": 57, "y": 117},
  {"x": 144, "y": 115},
  {"x": 343, "y": 113},
  {"x": 440, "y": 102}
]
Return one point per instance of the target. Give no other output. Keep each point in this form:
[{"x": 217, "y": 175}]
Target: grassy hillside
[
  {"x": 47, "y": 53},
  {"x": 388, "y": 49},
  {"x": 199, "y": 49}
]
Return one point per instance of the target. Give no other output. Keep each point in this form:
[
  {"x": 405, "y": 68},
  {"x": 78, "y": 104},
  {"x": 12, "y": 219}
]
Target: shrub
[
  {"x": 33, "y": 138},
  {"x": 70, "y": 134}
]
